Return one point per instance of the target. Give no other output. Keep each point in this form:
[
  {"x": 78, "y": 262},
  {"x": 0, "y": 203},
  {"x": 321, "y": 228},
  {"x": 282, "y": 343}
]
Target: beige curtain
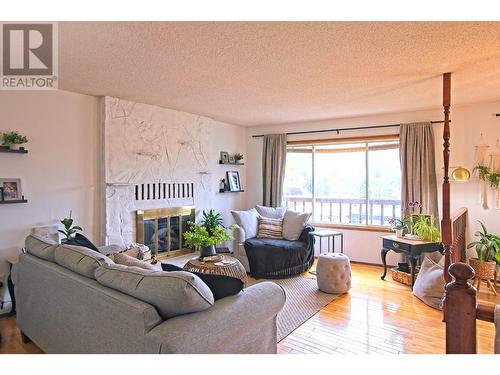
[
  {"x": 418, "y": 168},
  {"x": 273, "y": 169}
]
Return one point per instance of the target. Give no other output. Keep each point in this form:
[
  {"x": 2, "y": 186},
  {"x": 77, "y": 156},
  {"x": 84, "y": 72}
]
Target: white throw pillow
[
  {"x": 271, "y": 212},
  {"x": 429, "y": 285},
  {"x": 294, "y": 223},
  {"x": 247, "y": 220}
]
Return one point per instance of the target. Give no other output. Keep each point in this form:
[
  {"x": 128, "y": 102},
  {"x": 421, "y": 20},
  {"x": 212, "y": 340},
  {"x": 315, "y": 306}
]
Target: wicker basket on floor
[{"x": 403, "y": 277}]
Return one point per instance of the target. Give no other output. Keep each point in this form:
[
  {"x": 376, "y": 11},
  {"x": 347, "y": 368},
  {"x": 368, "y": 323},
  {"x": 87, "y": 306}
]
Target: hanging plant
[
  {"x": 494, "y": 179},
  {"x": 486, "y": 174},
  {"x": 483, "y": 171}
]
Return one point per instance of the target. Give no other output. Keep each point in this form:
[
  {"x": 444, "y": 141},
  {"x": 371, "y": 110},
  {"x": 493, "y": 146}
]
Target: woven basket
[
  {"x": 483, "y": 270},
  {"x": 403, "y": 277}
]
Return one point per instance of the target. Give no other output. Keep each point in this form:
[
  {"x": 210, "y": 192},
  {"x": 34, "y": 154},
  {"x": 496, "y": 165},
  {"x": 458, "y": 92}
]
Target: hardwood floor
[
  {"x": 378, "y": 317},
  {"x": 374, "y": 317}
]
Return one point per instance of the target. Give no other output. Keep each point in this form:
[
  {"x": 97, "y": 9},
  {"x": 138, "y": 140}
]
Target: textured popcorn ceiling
[{"x": 263, "y": 73}]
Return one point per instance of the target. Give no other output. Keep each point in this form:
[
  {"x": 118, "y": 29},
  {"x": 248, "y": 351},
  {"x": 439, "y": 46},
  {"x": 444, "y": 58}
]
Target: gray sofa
[{"x": 63, "y": 309}]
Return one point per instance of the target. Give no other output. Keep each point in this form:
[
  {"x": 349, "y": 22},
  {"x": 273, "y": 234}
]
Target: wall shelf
[
  {"x": 16, "y": 201},
  {"x": 220, "y": 162},
  {"x": 232, "y": 191},
  {"x": 22, "y": 150}
]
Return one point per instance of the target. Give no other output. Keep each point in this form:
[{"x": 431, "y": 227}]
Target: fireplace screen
[{"x": 162, "y": 229}]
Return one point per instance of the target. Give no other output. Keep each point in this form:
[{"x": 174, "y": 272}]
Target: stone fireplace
[{"x": 162, "y": 229}]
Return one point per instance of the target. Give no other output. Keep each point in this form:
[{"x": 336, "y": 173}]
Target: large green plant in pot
[
  {"x": 208, "y": 234},
  {"x": 488, "y": 253}
]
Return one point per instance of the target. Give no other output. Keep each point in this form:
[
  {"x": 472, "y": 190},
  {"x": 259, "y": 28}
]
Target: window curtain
[
  {"x": 273, "y": 169},
  {"x": 418, "y": 168}
]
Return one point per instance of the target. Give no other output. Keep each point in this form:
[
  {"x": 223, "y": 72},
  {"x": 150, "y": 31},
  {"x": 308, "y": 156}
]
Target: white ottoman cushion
[{"x": 333, "y": 273}]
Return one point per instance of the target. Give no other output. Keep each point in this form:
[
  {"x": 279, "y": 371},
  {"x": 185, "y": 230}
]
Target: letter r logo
[{"x": 27, "y": 49}]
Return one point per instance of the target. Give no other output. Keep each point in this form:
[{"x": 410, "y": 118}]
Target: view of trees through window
[{"x": 357, "y": 183}]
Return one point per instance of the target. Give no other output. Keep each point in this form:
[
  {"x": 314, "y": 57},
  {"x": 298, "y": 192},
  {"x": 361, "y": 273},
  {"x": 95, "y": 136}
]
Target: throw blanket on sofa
[{"x": 270, "y": 258}]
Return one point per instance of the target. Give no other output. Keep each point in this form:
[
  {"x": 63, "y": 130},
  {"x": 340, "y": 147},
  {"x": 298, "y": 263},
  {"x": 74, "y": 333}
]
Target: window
[{"x": 345, "y": 183}]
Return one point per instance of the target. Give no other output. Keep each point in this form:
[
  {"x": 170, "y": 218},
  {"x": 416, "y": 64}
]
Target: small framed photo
[
  {"x": 11, "y": 189},
  {"x": 224, "y": 157},
  {"x": 233, "y": 179},
  {"x": 232, "y": 159}
]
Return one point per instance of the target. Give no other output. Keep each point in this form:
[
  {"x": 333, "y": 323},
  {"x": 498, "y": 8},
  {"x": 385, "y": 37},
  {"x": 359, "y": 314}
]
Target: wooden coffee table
[{"x": 218, "y": 265}]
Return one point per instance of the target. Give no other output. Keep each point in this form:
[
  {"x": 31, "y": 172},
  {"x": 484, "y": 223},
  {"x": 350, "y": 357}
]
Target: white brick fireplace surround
[{"x": 168, "y": 155}]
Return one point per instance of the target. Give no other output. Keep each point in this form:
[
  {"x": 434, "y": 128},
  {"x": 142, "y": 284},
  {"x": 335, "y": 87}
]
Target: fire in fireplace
[{"x": 162, "y": 229}]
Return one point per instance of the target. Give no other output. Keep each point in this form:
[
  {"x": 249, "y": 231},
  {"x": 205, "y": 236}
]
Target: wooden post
[
  {"x": 460, "y": 311},
  {"x": 446, "y": 234}
]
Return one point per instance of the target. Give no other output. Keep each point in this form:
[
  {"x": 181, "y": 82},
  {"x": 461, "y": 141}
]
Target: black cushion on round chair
[{"x": 270, "y": 258}]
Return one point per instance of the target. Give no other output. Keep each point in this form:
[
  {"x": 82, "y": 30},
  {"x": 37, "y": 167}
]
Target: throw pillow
[
  {"x": 172, "y": 293},
  {"x": 41, "y": 247},
  {"x": 81, "y": 240},
  {"x": 220, "y": 285},
  {"x": 270, "y": 228},
  {"x": 294, "y": 223},
  {"x": 127, "y": 260},
  {"x": 272, "y": 212},
  {"x": 132, "y": 252},
  {"x": 247, "y": 220},
  {"x": 429, "y": 285},
  {"x": 80, "y": 259}
]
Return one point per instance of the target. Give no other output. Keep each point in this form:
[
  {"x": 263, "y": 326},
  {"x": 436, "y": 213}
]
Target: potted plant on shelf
[
  {"x": 398, "y": 225},
  {"x": 206, "y": 235},
  {"x": 238, "y": 157},
  {"x": 13, "y": 140},
  {"x": 488, "y": 254}
]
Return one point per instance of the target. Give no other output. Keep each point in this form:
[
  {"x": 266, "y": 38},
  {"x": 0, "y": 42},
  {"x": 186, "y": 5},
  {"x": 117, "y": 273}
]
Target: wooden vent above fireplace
[{"x": 162, "y": 229}]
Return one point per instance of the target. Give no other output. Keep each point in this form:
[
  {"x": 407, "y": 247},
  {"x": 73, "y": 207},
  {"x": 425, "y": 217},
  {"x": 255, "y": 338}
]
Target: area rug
[{"x": 303, "y": 299}]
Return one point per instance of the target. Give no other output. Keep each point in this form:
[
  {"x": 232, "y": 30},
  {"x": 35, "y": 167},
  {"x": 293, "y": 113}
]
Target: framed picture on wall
[
  {"x": 11, "y": 189},
  {"x": 233, "y": 179},
  {"x": 224, "y": 157}
]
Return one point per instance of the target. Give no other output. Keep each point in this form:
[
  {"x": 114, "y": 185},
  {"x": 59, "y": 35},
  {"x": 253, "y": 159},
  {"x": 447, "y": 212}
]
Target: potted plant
[
  {"x": 488, "y": 254},
  {"x": 238, "y": 157},
  {"x": 69, "y": 230},
  {"x": 488, "y": 175},
  {"x": 13, "y": 140},
  {"x": 206, "y": 235},
  {"x": 398, "y": 225},
  {"x": 424, "y": 229}
]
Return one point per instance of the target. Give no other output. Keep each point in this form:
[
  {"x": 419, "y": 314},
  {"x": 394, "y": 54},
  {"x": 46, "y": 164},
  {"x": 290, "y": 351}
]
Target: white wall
[
  {"x": 467, "y": 124},
  {"x": 58, "y": 174},
  {"x": 151, "y": 144}
]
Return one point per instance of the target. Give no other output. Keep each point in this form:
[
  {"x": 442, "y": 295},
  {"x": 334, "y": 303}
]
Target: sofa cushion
[
  {"x": 79, "y": 259},
  {"x": 81, "y": 240},
  {"x": 127, "y": 260},
  {"x": 294, "y": 223},
  {"x": 41, "y": 247},
  {"x": 172, "y": 293},
  {"x": 247, "y": 220},
  {"x": 270, "y": 228},
  {"x": 221, "y": 286},
  {"x": 272, "y": 212},
  {"x": 429, "y": 285}
]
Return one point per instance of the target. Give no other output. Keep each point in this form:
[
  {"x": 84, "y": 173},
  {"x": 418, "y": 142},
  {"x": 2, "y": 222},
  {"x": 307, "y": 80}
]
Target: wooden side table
[
  {"x": 412, "y": 248},
  {"x": 320, "y": 233},
  {"x": 222, "y": 265}
]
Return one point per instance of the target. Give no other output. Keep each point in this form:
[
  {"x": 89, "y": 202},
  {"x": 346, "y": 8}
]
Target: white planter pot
[
  {"x": 399, "y": 233},
  {"x": 15, "y": 146}
]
